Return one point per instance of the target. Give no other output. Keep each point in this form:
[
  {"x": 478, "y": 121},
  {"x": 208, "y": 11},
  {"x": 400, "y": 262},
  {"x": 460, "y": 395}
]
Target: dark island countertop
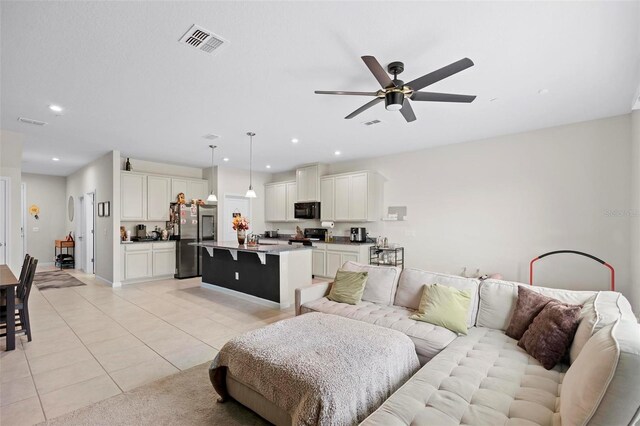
[{"x": 269, "y": 248}]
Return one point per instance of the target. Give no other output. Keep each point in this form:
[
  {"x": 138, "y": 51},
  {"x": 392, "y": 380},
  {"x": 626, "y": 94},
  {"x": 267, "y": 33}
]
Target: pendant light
[
  {"x": 250, "y": 192},
  {"x": 212, "y": 197}
]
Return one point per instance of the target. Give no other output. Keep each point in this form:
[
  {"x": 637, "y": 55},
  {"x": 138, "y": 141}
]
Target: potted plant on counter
[{"x": 240, "y": 225}]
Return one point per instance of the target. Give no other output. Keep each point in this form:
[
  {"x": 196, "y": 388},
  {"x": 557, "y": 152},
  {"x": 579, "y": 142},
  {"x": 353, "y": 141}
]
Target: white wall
[
  {"x": 103, "y": 177},
  {"x": 48, "y": 193},
  {"x": 634, "y": 212},
  {"x": 236, "y": 182},
  {"x": 497, "y": 203},
  {"x": 161, "y": 168},
  {"x": 11, "y": 167}
]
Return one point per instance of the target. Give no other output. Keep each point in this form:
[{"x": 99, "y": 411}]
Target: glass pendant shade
[
  {"x": 212, "y": 197},
  {"x": 250, "y": 192}
]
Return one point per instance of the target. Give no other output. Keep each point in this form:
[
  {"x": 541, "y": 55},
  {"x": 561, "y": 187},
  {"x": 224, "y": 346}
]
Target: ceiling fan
[{"x": 396, "y": 94}]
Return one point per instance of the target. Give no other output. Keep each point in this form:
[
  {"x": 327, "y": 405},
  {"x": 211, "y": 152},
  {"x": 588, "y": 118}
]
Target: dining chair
[{"x": 22, "y": 302}]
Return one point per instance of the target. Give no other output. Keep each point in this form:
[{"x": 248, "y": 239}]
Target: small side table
[
  {"x": 61, "y": 245},
  {"x": 386, "y": 256}
]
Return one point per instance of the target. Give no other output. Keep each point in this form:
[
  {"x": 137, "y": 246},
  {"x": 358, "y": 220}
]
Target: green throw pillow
[
  {"x": 444, "y": 306},
  {"x": 348, "y": 287}
]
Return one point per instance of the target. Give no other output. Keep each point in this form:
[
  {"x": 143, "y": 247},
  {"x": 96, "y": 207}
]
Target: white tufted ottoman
[{"x": 314, "y": 369}]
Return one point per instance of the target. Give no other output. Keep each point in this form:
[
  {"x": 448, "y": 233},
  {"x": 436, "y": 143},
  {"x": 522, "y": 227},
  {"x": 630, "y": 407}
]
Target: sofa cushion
[
  {"x": 528, "y": 306},
  {"x": 381, "y": 283},
  {"x": 444, "y": 306},
  {"x": 429, "y": 339},
  {"x": 483, "y": 378},
  {"x": 411, "y": 282},
  {"x": 348, "y": 287},
  {"x": 548, "y": 337},
  {"x": 602, "y": 386}
]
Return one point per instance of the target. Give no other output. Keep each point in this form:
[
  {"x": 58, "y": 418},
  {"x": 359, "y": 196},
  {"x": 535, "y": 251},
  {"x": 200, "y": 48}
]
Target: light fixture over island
[{"x": 267, "y": 273}]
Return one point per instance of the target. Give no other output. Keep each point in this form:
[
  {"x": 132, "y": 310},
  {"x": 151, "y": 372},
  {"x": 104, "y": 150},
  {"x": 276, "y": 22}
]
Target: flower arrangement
[{"x": 240, "y": 223}]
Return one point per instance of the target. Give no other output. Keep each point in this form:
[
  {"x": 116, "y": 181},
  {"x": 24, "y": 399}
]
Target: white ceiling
[{"x": 126, "y": 83}]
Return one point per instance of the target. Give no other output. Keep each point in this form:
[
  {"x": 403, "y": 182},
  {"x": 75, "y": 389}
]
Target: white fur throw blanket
[{"x": 321, "y": 369}]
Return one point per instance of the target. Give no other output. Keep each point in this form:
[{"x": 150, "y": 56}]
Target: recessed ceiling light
[
  {"x": 55, "y": 159},
  {"x": 337, "y": 153},
  {"x": 268, "y": 166},
  {"x": 294, "y": 140},
  {"x": 543, "y": 91},
  {"x": 55, "y": 108},
  {"x": 225, "y": 159}
]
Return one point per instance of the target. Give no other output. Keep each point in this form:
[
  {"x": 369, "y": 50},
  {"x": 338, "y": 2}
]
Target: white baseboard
[
  {"x": 104, "y": 280},
  {"x": 244, "y": 296}
]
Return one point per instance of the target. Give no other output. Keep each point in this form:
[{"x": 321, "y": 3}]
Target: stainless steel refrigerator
[{"x": 192, "y": 223}]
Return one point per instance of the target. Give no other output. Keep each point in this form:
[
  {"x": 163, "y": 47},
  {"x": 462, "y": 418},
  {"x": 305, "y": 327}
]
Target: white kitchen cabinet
[
  {"x": 158, "y": 198},
  {"x": 319, "y": 259},
  {"x": 327, "y": 258},
  {"x": 138, "y": 261},
  {"x": 342, "y": 194},
  {"x": 147, "y": 261},
  {"x": 197, "y": 189},
  {"x": 291, "y": 198},
  {"x": 133, "y": 196},
  {"x": 164, "y": 259},
  {"x": 279, "y": 201},
  {"x": 327, "y": 198},
  {"x": 178, "y": 186},
  {"x": 351, "y": 197},
  {"x": 308, "y": 181}
]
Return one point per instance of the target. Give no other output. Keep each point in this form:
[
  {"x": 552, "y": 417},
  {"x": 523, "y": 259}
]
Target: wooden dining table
[{"x": 8, "y": 285}]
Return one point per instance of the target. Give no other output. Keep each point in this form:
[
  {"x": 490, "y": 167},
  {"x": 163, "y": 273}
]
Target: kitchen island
[{"x": 268, "y": 273}]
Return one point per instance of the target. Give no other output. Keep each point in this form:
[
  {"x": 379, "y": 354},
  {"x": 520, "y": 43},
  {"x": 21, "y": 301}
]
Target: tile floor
[{"x": 94, "y": 342}]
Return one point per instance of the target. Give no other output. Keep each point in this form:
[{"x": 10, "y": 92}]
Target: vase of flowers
[{"x": 240, "y": 225}]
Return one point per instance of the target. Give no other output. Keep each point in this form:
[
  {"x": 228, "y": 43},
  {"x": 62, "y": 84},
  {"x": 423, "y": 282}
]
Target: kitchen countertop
[
  {"x": 269, "y": 248},
  {"x": 147, "y": 242},
  {"x": 336, "y": 240}
]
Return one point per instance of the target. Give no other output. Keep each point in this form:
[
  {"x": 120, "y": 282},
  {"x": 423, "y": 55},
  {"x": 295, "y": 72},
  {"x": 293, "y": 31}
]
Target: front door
[{"x": 235, "y": 204}]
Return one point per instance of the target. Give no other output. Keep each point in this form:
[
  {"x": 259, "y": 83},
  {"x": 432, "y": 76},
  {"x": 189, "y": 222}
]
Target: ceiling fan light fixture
[{"x": 393, "y": 101}]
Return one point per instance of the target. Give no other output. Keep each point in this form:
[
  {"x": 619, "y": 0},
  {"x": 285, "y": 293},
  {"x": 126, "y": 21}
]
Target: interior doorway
[
  {"x": 23, "y": 218},
  {"x": 89, "y": 233},
  {"x": 234, "y": 204},
  {"x": 4, "y": 219}
]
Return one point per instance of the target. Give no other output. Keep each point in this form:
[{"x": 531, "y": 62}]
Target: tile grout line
[{"x": 143, "y": 342}]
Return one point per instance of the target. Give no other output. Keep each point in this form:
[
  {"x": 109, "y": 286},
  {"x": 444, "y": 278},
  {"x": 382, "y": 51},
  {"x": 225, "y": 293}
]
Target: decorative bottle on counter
[
  {"x": 127, "y": 165},
  {"x": 242, "y": 234}
]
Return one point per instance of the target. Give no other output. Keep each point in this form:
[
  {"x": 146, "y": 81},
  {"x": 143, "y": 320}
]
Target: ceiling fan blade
[
  {"x": 363, "y": 108},
  {"x": 441, "y": 97},
  {"x": 442, "y": 73},
  {"x": 378, "y": 72},
  {"x": 407, "y": 111},
  {"x": 341, "y": 92}
]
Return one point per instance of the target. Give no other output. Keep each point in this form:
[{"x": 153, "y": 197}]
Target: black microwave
[{"x": 310, "y": 210}]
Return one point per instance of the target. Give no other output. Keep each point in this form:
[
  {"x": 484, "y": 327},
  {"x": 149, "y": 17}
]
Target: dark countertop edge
[
  {"x": 147, "y": 242},
  {"x": 268, "y": 248}
]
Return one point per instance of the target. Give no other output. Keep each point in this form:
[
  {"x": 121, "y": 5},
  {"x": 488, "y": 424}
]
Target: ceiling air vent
[
  {"x": 202, "y": 39},
  {"x": 372, "y": 122},
  {"x": 31, "y": 121},
  {"x": 211, "y": 136}
]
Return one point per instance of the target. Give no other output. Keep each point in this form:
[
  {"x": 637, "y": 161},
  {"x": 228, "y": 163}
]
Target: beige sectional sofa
[{"x": 484, "y": 378}]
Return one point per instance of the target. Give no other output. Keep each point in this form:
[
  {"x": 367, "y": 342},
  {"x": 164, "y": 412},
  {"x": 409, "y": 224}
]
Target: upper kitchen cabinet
[
  {"x": 191, "y": 188},
  {"x": 133, "y": 196},
  {"x": 158, "y": 197},
  {"x": 279, "y": 201},
  {"x": 308, "y": 182},
  {"x": 351, "y": 197}
]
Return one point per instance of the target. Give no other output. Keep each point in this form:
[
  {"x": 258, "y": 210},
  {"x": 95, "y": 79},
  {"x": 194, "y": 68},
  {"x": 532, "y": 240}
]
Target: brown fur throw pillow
[
  {"x": 528, "y": 306},
  {"x": 550, "y": 334}
]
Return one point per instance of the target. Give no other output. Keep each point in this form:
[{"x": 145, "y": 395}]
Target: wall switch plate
[{"x": 237, "y": 275}]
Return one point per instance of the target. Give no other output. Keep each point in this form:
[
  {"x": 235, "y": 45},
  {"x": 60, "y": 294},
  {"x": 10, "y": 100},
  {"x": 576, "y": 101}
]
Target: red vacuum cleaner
[{"x": 613, "y": 272}]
